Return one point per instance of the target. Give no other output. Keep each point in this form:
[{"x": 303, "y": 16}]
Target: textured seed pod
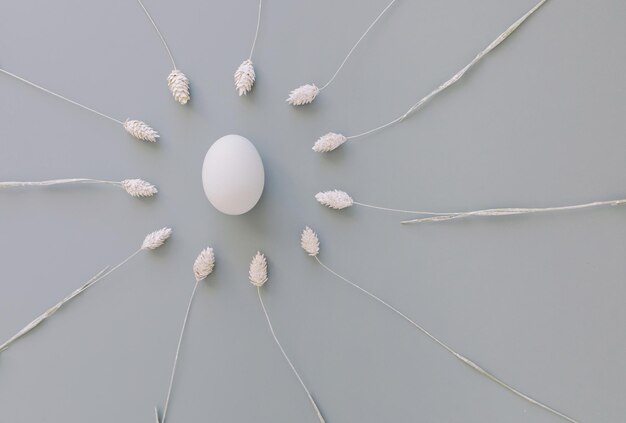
[
  {"x": 309, "y": 242},
  {"x": 303, "y": 95},
  {"x": 334, "y": 199},
  {"x": 203, "y": 266},
  {"x": 155, "y": 239},
  {"x": 244, "y": 77},
  {"x": 179, "y": 86},
  {"x": 141, "y": 130},
  {"x": 139, "y": 188},
  {"x": 258, "y": 270},
  {"x": 328, "y": 142}
]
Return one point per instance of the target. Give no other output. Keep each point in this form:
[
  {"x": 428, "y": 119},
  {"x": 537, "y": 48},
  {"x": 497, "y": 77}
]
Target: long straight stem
[
  {"x": 456, "y": 77},
  {"x": 440, "y": 217},
  {"x": 462, "y": 358},
  {"x": 169, "y": 53},
  {"x": 61, "y": 97},
  {"x": 256, "y": 33},
  {"x": 17, "y": 184},
  {"x": 357, "y": 43},
  {"x": 180, "y": 340},
  {"x": 32, "y": 325},
  {"x": 308, "y": 393}
]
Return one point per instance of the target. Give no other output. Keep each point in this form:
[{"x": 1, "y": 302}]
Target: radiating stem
[
  {"x": 17, "y": 184},
  {"x": 462, "y": 358},
  {"x": 180, "y": 340},
  {"x": 459, "y": 74},
  {"x": 60, "y": 96},
  {"x": 511, "y": 211},
  {"x": 256, "y": 33},
  {"x": 169, "y": 53},
  {"x": 308, "y": 393}
]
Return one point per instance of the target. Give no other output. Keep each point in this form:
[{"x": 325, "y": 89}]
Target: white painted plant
[
  {"x": 136, "y": 128},
  {"x": 176, "y": 80},
  {"x": 331, "y": 141},
  {"x": 305, "y": 94},
  {"x": 245, "y": 75},
  {"x": 134, "y": 187},
  {"x": 258, "y": 278},
  {"x": 310, "y": 243},
  {"x": 338, "y": 200},
  {"x": 202, "y": 268},
  {"x": 152, "y": 241}
]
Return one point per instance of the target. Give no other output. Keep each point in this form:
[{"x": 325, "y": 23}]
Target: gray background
[{"x": 538, "y": 300}]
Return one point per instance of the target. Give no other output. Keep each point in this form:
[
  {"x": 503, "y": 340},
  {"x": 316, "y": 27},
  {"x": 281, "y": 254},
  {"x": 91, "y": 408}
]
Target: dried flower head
[
  {"x": 309, "y": 242},
  {"x": 203, "y": 266},
  {"x": 179, "y": 86},
  {"x": 328, "y": 142},
  {"x": 258, "y": 270},
  {"x": 244, "y": 77},
  {"x": 141, "y": 130},
  {"x": 303, "y": 95},
  {"x": 139, "y": 188},
  {"x": 334, "y": 199},
  {"x": 155, "y": 239}
]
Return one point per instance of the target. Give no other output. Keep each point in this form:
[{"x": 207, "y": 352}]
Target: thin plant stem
[
  {"x": 61, "y": 97},
  {"x": 98, "y": 277},
  {"x": 180, "y": 340},
  {"x": 511, "y": 211},
  {"x": 357, "y": 43},
  {"x": 308, "y": 393},
  {"x": 17, "y": 184},
  {"x": 458, "y": 75},
  {"x": 169, "y": 53},
  {"x": 398, "y": 210},
  {"x": 256, "y": 33},
  {"x": 462, "y": 358}
]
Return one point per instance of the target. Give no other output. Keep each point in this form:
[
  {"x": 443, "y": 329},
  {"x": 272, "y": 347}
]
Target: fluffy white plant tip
[
  {"x": 203, "y": 266},
  {"x": 258, "y": 270},
  {"x": 244, "y": 77},
  {"x": 141, "y": 130},
  {"x": 155, "y": 239},
  {"x": 179, "y": 86},
  {"x": 334, "y": 199},
  {"x": 303, "y": 95},
  {"x": 328, "y": 142},
  {"x": 139, "y": 188},
  {"x": 309, "y": 242}
]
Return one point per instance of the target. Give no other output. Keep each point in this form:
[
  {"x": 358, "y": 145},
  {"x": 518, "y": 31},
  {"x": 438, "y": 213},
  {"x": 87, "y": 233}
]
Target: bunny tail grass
[
  {"x": 308, "y": 393},
  {"x": 458, "y": 75},
  {"x": 462, "y": 358},
  {"x": 134, "y": 187}
]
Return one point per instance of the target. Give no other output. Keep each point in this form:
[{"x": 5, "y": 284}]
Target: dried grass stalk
[
  {"x": 134, "y": 187},
  {"x": 307, "y": 232}
]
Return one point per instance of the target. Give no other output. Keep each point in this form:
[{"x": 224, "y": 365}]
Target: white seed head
[
  {"x": 155, "y": 239},
  {"x": 179, "y": 86},
  {"x": 141, "y": 130},
  {"x": 258, "y": 270},
  {"x": 244, "y": 77},
  {"x": 203, "y": 266},
  {"x": 328, "y": 142},
  {"x": 334, "y": 199},
  {"x": 303, "y": 95},
  {"x": 139, "y": 188},
  {"x": 309, "y": 242}
]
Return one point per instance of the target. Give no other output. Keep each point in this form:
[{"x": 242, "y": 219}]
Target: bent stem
[
  {"x": 440, "y": 217},
  {"x": 180, "y": 339},
  {"x": 256, "y": 33},
  {"x": 169, "y": 53},
  {"x": 308, "y": 393},
  {"x": 462, "y": 358},
  {"x": 456, "y": 77}
]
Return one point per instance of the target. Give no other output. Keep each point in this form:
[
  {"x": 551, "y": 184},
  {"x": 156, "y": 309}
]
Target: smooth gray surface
[{"x": 537, "y": 300}]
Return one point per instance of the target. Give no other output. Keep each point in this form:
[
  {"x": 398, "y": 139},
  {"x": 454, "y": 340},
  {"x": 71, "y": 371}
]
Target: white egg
[{"x": 232, "y": 175}]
